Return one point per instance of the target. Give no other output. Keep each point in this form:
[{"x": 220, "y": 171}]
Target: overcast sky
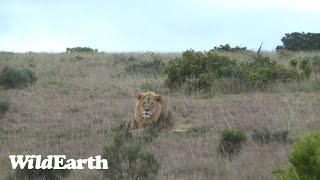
[{"x": 146, "y": 25}]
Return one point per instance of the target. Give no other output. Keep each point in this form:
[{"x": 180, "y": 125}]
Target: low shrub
[
  {"x": 228, "y": 48},
  {"x": 197, "y": 69},
  {"x": 15, "y": 78},
  {"x": 230, "y": 141},
  {"x": 264, "y": 72},
  {"x": 81, "y": 50},
  {"x": 304, "y": 159},
  {"x": 294, "y": 63},
  {"x": 300, "y": 41},
  {"x": 5, "y": 105},
  {"x": 305, "y": 66},
  {"x": 126, "y": 160},
  {"x": 280, "y": 48},
  {"x": 209, "y": 71}
]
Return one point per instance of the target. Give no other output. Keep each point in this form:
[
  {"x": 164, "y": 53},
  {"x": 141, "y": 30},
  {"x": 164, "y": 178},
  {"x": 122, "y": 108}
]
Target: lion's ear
[
  {"x": 158, "y": 98},
  {"x": 139, "y": 96}
]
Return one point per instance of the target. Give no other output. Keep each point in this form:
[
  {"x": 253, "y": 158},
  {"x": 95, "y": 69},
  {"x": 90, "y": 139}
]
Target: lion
[{"x": 150, "y": 109}]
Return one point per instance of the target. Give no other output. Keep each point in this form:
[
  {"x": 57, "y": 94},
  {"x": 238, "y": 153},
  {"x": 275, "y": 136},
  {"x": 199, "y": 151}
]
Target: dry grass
[{"x": 79, "y": 97}]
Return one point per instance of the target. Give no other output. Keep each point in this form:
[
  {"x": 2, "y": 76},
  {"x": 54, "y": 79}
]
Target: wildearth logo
[{"x": 56, "y": 162}]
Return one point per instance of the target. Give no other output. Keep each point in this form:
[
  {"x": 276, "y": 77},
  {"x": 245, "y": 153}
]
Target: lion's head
[
  {"x": 149, "y": 109},
  {"x": 149, "y": 102}
]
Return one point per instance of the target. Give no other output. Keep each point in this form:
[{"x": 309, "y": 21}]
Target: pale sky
[{"x": 146, "y": 25}]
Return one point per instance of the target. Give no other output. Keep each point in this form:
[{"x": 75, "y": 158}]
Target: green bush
[
  {"x": 228, "y": 48},
  {"x": 230, "y": 141},
  {"x": 15, "y": 78},
  {"x": 280, "y": 48},
  {"x": 202, "y": 83},
  {"x": 81, "y": 50},
  {"x": 305, "y": 66},
  {"x": 304, "y": 159},
  {"x": 264, "y": 72},
  {"x": 294, "y": 62},
  {"x": 126, "y": 160},
  {"x": 196, "y": 70},
  {"x": 209, "y": 71},
  {"x": 5, "y": 105},
  {"x": 154, "y": 67},
  {"x": 297, "y": 41}
]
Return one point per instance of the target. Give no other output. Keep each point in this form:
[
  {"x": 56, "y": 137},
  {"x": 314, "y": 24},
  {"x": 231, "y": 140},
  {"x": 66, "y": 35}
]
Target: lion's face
[{"x": 149, "y": 104}]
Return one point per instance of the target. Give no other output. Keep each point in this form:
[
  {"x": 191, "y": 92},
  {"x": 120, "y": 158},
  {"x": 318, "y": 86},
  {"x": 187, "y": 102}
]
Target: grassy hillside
[{"x": 78, "y": 98}]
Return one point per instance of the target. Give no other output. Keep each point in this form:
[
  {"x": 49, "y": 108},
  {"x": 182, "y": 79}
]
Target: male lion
[{"x": 150, "y": 109}]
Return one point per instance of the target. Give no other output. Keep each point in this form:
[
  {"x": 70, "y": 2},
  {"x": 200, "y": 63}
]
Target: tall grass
[{"x": 78, "y": 98}]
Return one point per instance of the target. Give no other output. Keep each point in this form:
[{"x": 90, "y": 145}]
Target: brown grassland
[{"x": 78, "y": 98}]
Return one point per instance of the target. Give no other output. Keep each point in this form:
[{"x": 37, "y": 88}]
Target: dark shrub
[
  {"x": 305, "y": 66},
  {"x": 263, "y": 72},
  {"x": 228, "y": 48},
  {"x": 230, "y": 141},
  {"x": 126, "y": 160},
  {"x": 196, "y": 70},
  {"x": 280, "y": 48},
  {"x": 304, "y": 159},
  {"x": 294, "y": 62},
  {"x": 5, "y": 105},
  {"x": 81, "y": 50},
  {"x": 209, "y": 71},
  {"x": 14, "y": 78},
  {"x": 301, "y": 41}
]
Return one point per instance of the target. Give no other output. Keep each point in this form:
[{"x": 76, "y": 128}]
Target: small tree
[
  {"x": 228, "y": 48},
  {"x": 304, "y": 159},
  {"x": 126, "y": 159},
  {"x": 15, "y": 78},
  {"x": 5, "y": 105},
  {"x": 230, "y": 141},
  {"x": 301, "y": 41},
  {"x": 81, "y": 50},
  {"x": 305, "y": 66}
]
